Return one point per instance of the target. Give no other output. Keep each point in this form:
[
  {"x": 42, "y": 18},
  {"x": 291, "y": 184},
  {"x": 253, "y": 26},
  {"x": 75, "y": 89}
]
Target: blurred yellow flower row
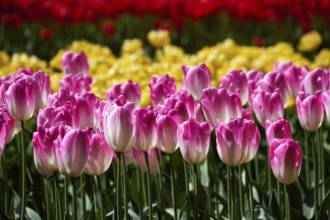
[{"x": 106, "y": 69}]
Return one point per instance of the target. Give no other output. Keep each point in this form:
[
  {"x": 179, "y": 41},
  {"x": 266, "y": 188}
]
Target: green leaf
[{"x": 32, "y": 214}]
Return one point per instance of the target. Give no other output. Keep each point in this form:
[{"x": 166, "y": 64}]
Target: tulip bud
[
  {"x": 131, "y": 92},
  {"x": 285, "y": 160},
  {"x": 86, "y": 105},
  {"x": 196, "y": 79},
  {"x": 237, "y": 141},
  {"x": 278, "y": 130},
  {"x": 317, "y": 80},
  {"x": 194, "y": 140},
  {"x": 310, "y": 110},
  {"x": 253, "y": 78},
  {"x": 75, "y": 63},
  {"x": 76, "y": 83},
  {"x": 42, "y": 89},
  {"x": 166, "y": 131},
  {"x": 139, "y": 157},
  {"x": 160, "y": 88}
]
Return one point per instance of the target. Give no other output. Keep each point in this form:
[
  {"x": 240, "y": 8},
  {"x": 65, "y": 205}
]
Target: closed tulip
[
  {"x": 196, "y": 78},
  {"x": 237, "y": 141},
  {"x": 285, "y": 160},
  {"x": 99, "y": 157},
  {"x": 160, "y": 88},
  {"x": 194, "y": 140},
  {"x": 317, "y": 80},
  {"x": 13, "y": 126},
  {"x": 76, "y": 83},
  {"x": 310, "y": 110},
  {"x": 86, "y": 105},
  {"x": 139, "y": 157},
  {"x": 167, "y": 128},
  {"x": 75, "y": 63},
  {"x": 278, "y": 129},
  {"x": 326, "y": 101},
  {"x": 131, "y": 92},
  {"x": 42, "y": 90},
  {"x": 220, "y": 104},
  {"x": 61, "y": 98}
]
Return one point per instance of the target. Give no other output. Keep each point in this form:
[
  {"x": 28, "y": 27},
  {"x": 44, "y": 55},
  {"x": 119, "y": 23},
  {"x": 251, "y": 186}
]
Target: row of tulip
[{"x": 78, "y": 134}]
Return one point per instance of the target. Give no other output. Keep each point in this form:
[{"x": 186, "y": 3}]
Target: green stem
[
  {"x": 99, "y": 186},
  {"x": 269, "y": 175},
  {"x": 307, "y": 169},
  {"x": 93, "y": 191},
  {"x": 230, "y": 196},
  {"x": 83, "y": 194},
  {"x": 250, "y": 191},
  {"x": 287, "y": 204},
  {"x": 196, "y": 191},
  {"x": 74, "y": 198},
  {"x": 46, "y": 197},
  {"x": 160, "y": 178},
  {"x": 140, "y": 190},
  {"x": 321, "y": 164},
  {"x": 173, "y": 186},
  {"x": 256, "y": 164},
  {"x": 66, "y": 203},
  {"x": 23, "y": 173},
  {"x": 4, "y": 175},
  {"x": 315, "y": 164},
  {"x": 278, "y": 189},
  {"x": 187, "y": 187},
  {"x": 124, "y": 185},
  {"x": 241, "y": 205},
  {"x": 118, "y": 192},
  {"x": 148, "y": 185},
  {"x": 57, "y": 215}
]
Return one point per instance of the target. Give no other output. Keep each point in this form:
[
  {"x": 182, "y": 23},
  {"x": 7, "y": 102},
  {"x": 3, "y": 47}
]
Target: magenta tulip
[
  {"x": 42, "y": 89},
  {"x": 194, "y": 140},
  {"x": 76, "y": 83},
  {"x": 267, "y": 106},
  {"x": 310, "y": 110},
  {"x": 20, "y": 98},
  {"x": 253, "y": 77},
  {"x": 99, "y": 157},
  {"x": 326, "y": 101},
  {"x": 196, "y": 79},
  {"x": 3, "y": 134},
  {"x": 237, "y": 141},
  {"x": 75, "y": 63},
  {"x": 167, "y": 127},
  {"x": 317, "y": 80},
  {"x": 61, "y": 98},
  {"x": 236, "y": 82},
  {"x": 139, "y": 157},
  {"x": 13, "y": 126},
  {"x": 145, "y": 129},
  {"x": 278, "y": 129},
  {"x": 131, "y": 91},
  {"x": 86, "y": 105},
  {"x": 247, "y": 113},
  {"x": 220, "y": 104},
  {"x": 285, "y": 160},
  {"x": 160, "y": 88}
]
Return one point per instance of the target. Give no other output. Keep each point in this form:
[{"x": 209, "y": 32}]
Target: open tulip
[
  {"x": 166, "y": 131},
  {"x": 196, "y": 79},
  {"x": 145, "y": 129},
  {"x": 160, "y": 88},
  {"x": 194, "y": 140},
  {"x": 75, "y": 63},
  {"x": 236, "y": 82},
  {"x": 285, "y": 160},
  {"x": 131, "y": 92},
  {"x": 20, "y": 98},
  {"x": 278, "y": 129},
  {"x": 310, "y": 110},
  {"x": 237, "y": 141},
  {"x": 99, "y": 157},
  {"x": 220, "y": 104},
  {"x": 76, "y": 83},
  {"x": 317, "y": 80},
  {"x": 139, "y": 157}
]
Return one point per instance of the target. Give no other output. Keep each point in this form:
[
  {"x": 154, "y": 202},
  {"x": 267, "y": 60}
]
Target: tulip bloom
[
  {"x": 72, "y": 151},
  {"x": 145, "y": 129},
  {"x": 99, "y": 157},
  {"x": 278, "y": 130},
  {"x": 86, "y": 105},
  {"x": 196, "y": 79},
  {"x": 166, "y": 131},
  {"x": 3, "y": 134},
  {"x": 20, "y": 99},
  {"x": 317, "y": 80},
  {"x": 160, "y": 88},
  {"x": 285, "y": 160},
  {"x": 219, "y": 104},
  {"x": 61, "y": 98},
  {"x": 310, "y": 110},
  {"x": 237, "y": 141},
  {"x": 42, "y": 89},
  {"x": 267, "y": 106},
  {"x": 253, "y": 78},
  {"x": 75, "y": 63},
  {"x": 139, "y": 157},
  {"x": 236, "y": 82},
  {"x": 194, "y": 140},
  {"x": 13, "y": 126},
  {"x": 118, "y": 126},
  {"x": 131, "y": 92},
  {"x": 76, "y": 83},
  {"x": 326, "y": 101}
]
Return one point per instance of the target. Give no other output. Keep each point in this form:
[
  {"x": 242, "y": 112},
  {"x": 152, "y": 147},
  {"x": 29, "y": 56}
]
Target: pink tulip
[
  {"x": 72, "y": 151},
  {"x": 145, "y": 129},
  {"x": 267, "y": 106},
  {"x": 75, "y": 63},
  {"x": 42, "y": 90},
  {"x": 139, "y": 157},
  {"x": 61, "y": 98},
  {"x": 99, "y": 157},
  {"x": 3, "y": 134},
  {"x": 86, "y": 105},
  {"x": 118, "y": 125},
  {"x": 326, "y": 101},
  {"x": 131, "y": 91},
  {"x": 220, "y": 104},
  {"x": 253, "y": 77},
  {"x": 285, "y": 160},
  {"x": 275, "y": 81},
  {"x": 196, "y": 79},
  {"x": 293, "y": 75},
  {"x": 194, "y": 140},
  {"x": 317, "y": 80},
  {"x": 310, "y": 110},
  {"x": 167, "y": 127},
  {"x": 160, "y": 88},
  {"x": 278, "y": 129},
  {"x": 5, "y": 82},
  {"x": 20, "y": 98},
  {"x": 76, "y": 83},
  {"x": 44, "y": 150},
  {"x": 237, "y": 141},
  {"x": 236, "y": 82},
  {"x": 13, "y": 126}
]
